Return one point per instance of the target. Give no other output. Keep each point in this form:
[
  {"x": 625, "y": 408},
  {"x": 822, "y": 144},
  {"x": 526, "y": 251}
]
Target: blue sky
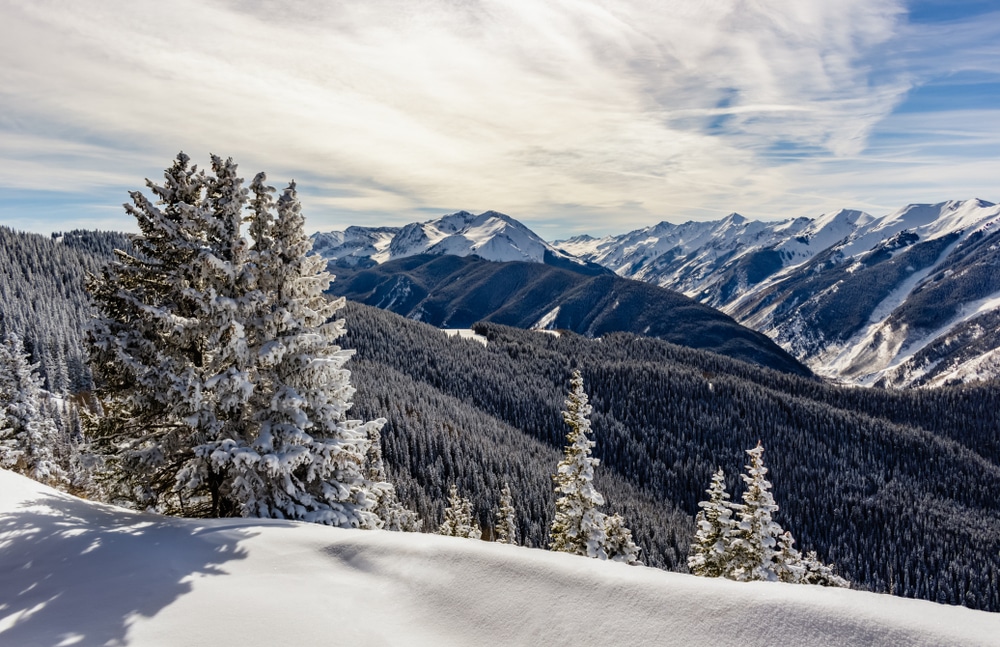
[{"x": 571, "y": 115}]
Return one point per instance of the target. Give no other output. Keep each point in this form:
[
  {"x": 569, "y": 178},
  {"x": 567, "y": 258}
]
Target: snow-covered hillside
[
  {"x": 910, "y": 298},
  {"x": 847, "y": 293},
  {"x": 720, "y": 260},
  {"x": 490, "y": 235},
  {"x": 78, "y": 573}
]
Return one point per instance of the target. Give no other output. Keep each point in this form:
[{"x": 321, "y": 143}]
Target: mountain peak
[{"x": 492, "y": 235}]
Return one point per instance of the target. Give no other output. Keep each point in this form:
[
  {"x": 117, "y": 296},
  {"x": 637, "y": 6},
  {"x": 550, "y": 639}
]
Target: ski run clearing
[{"x": 74, "y": 572}]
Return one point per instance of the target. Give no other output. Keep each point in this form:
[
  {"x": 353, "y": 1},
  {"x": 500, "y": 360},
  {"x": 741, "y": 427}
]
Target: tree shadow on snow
[{"x": 77, "y": 573}]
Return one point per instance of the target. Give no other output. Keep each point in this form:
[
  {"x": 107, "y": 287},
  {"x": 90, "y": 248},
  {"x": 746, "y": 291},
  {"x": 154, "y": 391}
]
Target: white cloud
[{"x": 605, "y": 113}]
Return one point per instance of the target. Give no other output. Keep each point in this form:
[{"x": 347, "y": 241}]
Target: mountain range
[{"x": 907, "y": 299}]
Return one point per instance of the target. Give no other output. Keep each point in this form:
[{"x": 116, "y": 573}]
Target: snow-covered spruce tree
[
  {"x": 303, "y": 458},
  {"x": 816, "y": 572},
  {"x": 618, "y": 544},
  {"x": 30, "y": 440},
  {"x": 458, "y": 521},
  {"x": 506, "y": 528},
  {"x": 788, "y": 564},
  {"x": 754, "y": 547},
  {"x": 389, "y": 509},
  {"x": 579, "y": 527},
  {"x": 223, "y": 391},
  {"x": 709, "y": 554},
  {"x": 148, "y": 350}
]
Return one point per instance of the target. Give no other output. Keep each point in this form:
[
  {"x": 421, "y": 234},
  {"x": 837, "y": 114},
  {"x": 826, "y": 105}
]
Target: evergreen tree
[
  {"x": 506, "y": 528},
  {"x": 393, "y": 514},
  {"x": 815, "y": 571},
  {"x": 754, "y": 548},
  {"x": 30, "y": 440},
  {"x": 579, "y": 527},
  {"x": 305, "y": 459},
  {"x": 709, "y": 552},
  {"x": 618, "y": 544},
  {"x": 458, "y": 521},
  {"x": 788, "y": 562},
  {"x": 223, "y": 391}
]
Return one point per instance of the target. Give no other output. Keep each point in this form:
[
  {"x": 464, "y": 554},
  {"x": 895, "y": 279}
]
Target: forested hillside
[
  {"x": 455, "y": 292},
  {"x": 897, "y": 489},
  {"x": 41, "y": 292}
]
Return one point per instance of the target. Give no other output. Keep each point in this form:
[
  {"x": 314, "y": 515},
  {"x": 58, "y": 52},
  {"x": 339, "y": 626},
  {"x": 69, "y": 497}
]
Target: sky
[{"x": 573, "y": 116}]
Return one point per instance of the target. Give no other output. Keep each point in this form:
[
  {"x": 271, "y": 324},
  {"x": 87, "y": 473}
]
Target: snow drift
[{"x": 79, "y": 573}]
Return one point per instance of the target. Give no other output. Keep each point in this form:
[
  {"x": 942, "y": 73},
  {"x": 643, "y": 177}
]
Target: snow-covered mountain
[
  {"x": 491, "y": 235},
  {"x": 715, "y": 261},
  {"x": 909, "y": 298},
  {"x": 74, "y": 572}
]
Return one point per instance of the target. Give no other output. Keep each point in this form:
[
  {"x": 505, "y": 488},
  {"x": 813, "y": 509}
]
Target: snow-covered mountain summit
[{"x": 491, "y": 235}]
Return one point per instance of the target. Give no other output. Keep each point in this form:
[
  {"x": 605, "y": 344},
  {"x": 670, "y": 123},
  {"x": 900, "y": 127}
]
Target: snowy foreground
[{"x": 77, "y": 573}]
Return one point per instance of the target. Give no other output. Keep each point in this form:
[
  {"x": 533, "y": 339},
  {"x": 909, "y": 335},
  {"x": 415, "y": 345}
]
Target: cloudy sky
[{"x": 573, "y": 116}]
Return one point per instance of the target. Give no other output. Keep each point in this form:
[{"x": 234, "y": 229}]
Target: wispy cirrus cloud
[{"x": 572, "y": 114}]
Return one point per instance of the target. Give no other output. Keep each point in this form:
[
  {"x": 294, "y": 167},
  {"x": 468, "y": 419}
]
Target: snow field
[{"x": 79, "y": 573}]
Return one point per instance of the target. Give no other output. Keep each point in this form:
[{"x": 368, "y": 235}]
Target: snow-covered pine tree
[
  {"x": 458, "y": 521},
  {"x": 709, "y": 553},
  {"x": 393, "y": 514},
  {"x": 579, "y": 527},
  {"x": 30, "y": 440},
  {"x": 816, "y": 572},
  {"x": 788, "y": 564},
  {"x": 506, "y": 528},
  {"x": 307, "y": 459},
  {"x": 618, "y": 544},
  {"x": 147, "y": 352},
  {"x": 754, "y": 547},
  {"x": 223, "y": 390}
]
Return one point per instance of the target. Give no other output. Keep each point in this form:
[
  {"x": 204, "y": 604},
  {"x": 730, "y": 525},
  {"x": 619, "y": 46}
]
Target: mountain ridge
[
  {"x": 491, "y": 235},
  {"x": 900, "y": 300},
  {"x": 456, "y": 292}
]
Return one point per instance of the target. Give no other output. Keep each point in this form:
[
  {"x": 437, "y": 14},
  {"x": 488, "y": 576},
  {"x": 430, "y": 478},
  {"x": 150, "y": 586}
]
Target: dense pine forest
[
  {"x": 41, "y": 292},
  {"x": 895, "y": 488}
]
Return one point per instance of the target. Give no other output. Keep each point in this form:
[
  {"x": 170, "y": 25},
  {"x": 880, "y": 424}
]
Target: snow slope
[
  {"x": 893, "y": 302},
  {"x": 716, "y": 261},
  {"x": 841, "y": 292},
  {"x": 79, "y": 573}
]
